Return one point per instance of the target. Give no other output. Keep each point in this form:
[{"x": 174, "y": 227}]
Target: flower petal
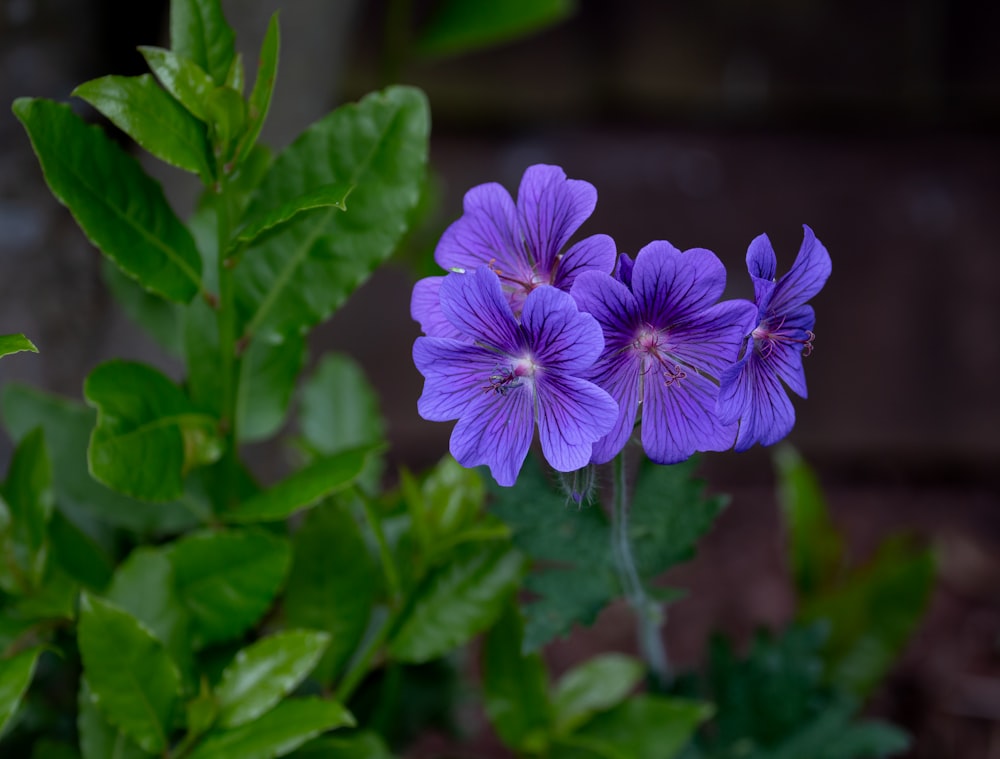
[
  {"x": 572, "y": 415},
  {"x": 595, "y": 253},
  {"x": 495, "y": 430},
  {"x": 806, "y": 277},
  {"x": 679, "y": 419},
  {"x": 785, "y": 358},
  {"x": 671, "y": 285},
  {"x": 623, "y": 270},
  {"x": 618, "y": 374},
  {"x": 475, "y": 305},
  {"x": 425, "y": 308},
  {"x": 611, "y": 303},
  {"x": 711, "y": 341},
  {"x": 486, "y": 234},
  {"x": 766, "y": 413},
  {"x": 762, "y": 265},
  {"x": 454, "y": 372},
  {"x": 551, "y": 208},
  {"x": 561, "y": 337}
]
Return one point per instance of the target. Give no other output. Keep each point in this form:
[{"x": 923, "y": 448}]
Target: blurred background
[{"x": 703, "y": 124}]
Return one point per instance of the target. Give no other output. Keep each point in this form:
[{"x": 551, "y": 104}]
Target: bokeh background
[{"x": 704, "y": 124}]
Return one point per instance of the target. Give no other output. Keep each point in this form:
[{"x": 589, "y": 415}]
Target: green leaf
[
  {"x": 53, "y": 749},
  {"x": 133, "y": 680},
  {"x": 816, "y": 549},
  {"x": 446, "y": 506},
  {"x": 148, "y": 433},
  {"x": 99, "y": 739},
  {"x": 120, "y": 209},
  {"x": 303, "y": 489},
  {"x": 266, "y": 672},
  {"x": 268, "y": 374},
  {"x": 182, "y": 78},
  {"x": 565, "y": 597},
  {"x": 198, "y": 30},
  {"x": 68, "y": 426},
  {"x": 161, "y": 611},
  {"x": 15, "y": 676},
  {"x": 457, "y": 601},
  {"x": 333, "y": 591},
  {"x": 78, "y": 554},
  {"x": 228, "y": 580},
  {"x": 227, "y": 119},
  {"x": 360, "y": 745},
  {"x": 298, "y": 277},
  {"x": 161, "y": 319},
  {"x": 15, "y": 344},
  {"x": 28, "y": 494},
  {"x": 872, "y": 614},
  {"x": 145, "y": 112},
  {"x": 260, "y": 97},
  {"x": 325, "y": 196},
  {"x": 459, "y": 26},
  {"x": 832, "y": 735},
  {"x": 644, "y": 727},
  {"x": 515, "y": 686},
  {"x": 280, "y": 731},
  {"x": 596, "y": 685}
]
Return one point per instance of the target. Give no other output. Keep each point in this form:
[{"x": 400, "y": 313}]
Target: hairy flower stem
[
  {"x": 649, "y": 614},
  {"x": 229, "y": 361}
]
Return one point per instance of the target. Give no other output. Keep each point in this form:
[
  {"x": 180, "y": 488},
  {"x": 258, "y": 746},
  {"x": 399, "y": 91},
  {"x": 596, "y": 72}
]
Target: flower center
[
  {"x": 654, "y": 345},
  {"x": 765, "y": 336},
  {"x": 510, "y": 377}
]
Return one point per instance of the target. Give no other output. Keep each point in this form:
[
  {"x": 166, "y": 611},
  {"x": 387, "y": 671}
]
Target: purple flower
[
  {"x": 521, "y": 243},
  {"x": 666, "y": 339},
  {"x": 752, "y": 389},
  {"x": 504, "y": 375}
]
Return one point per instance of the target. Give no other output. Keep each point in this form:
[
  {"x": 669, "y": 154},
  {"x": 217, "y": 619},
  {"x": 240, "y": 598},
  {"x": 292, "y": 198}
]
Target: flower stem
[{"x": 649, "y": 613}]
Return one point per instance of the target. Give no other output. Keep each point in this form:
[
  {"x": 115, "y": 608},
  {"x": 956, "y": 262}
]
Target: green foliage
[
  {"x": 25, "y": 511},
  {"x": 15, "y": 674},
  {"x": 200, "y": 33},
  {"x": 459, "y": 26},
  {"x": 594, "y": 686},
  {"x": 15, "y": 344}
]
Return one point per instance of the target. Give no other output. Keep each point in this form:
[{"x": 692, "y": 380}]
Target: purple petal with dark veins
[
  {"x": 766, "y": 414},
  {"x": 679, "y": 419},
  {"x": 551, "y": 208},
  {"x": 762, "y": 265},
  {"x": 562, "y": 338},
  {"x": 425, "y": 308},
  {"x": 611, "y": 303},
  {"x": 711, "y": 340},
  {"x": 623, "y": 270},
  {"x": 784, "y": 358},
  {"x": 495, "y": 430},
  {"x": 454, "y": 372},
  {"x": 806, "y": 277},
  {"x": 475, "y": 304},
  {"x": 618, "y": 374},
  {"x": 595, "y": 253},
  {"x": 670, "y": 285},
  {"x": 487, "y": 234},
  {"x": 572, "y": 415}
]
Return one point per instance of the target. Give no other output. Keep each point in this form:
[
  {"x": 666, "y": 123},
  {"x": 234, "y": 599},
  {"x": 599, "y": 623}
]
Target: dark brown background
[{"x": 703, "y": 124}]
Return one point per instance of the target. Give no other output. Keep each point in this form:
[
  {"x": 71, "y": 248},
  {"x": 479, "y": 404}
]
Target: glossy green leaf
[
  {"x": 339, "y": 408},
  {"x": 236, "y": 76},
  {"x": 331, "y": 590},
  {"x": 259, "y": 102},
  {"x": 120, "y": 209},
  {"x": 198, "y": 31},
  {"x": 78, "y": 554},
  {"x": 227, "y": 119},
  {"x": 457, "y": 601},
  {"x": 161, "y": 319},
  {"x": 132, "y": 678},
  {"x": 29, "y": 498},
  {"x": 145, "y": 112},
  {"x": 54, "y": 599},
  {"x": 459, "y": 26},
  {"x": 304, "y": 488},
  {"x": 227, "y": 580},
  {"x": 265, "y": 672},
  {"x": 181, "y": 77},
  {"x": 68, "y": 426},
  {"x": 298, "y": 277},
  {"x": 594, "y": 686},
  {"x": 99, "y": 739},
  {"x": 445, "y": 506},
  {"x": 515, "y": 686},
  {"x": 161, "y": 611},
  {"x": 268, "y": 375},
  {"x": 816, "y": 548},
  {"x": 280, "y": 731},
  {"x": 325, "y": 196},
  {"x": 15, "y": 676},
  {"x": 15, "y": 344},
  {"x": 148, "y": 433},
  {"x": 358, "y": 745}
]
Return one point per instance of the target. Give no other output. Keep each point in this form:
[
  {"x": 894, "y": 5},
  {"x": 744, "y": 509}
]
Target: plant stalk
[{"x": 229, "y": 360}]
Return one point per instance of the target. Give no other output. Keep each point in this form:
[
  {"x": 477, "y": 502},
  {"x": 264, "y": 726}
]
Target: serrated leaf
[
  {"x": 594, "y": 686},
  {"x": 228, "y": 580},
  {"x": 304, "y": 488},
  {"x": 457, "y": 601},
  {"x": 15, "y": 344},
  {"x": 148, "y": 433},
  {"x": 145, "y": 112},
  {"x": 198, "y": 31},
  {"x": 68, "y": 426},
  {"x": 459, "y": 26},
  {"x": 515, "y": 686},
  {"x": 297, "y": 278},
  {"x": 259, "y": 102},
  {"x": 332, "y": 591},
  {"x": 181, "y": 77},
  {"x": 265, "y": 672},
  {"x": 161, "y": 319},
  {"x": 15, "y": 676},
  {"x": 133, "y": 680},
  {"x": 331, "y": 195},
  {"x": 280, "y": 731},
  {"x": 564, "y": 598},
  {"x": 28, "y": 495},
  {"x": 120, "y": 209},
  {"x": 99, "y": 739}
]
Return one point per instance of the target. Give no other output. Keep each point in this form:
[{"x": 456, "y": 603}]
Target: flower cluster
[{"x": 585, "y": 343}]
